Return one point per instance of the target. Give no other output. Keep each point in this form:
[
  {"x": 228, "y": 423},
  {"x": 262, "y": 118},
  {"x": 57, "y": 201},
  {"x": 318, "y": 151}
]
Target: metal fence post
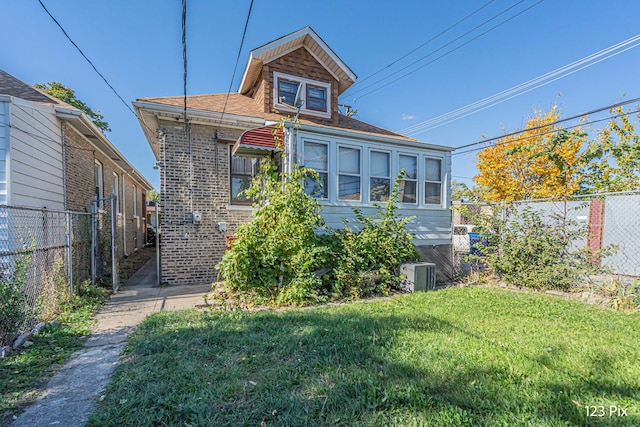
[
  {"x": 115, "y": 280},
  {"x": 94, "y": 238},
  {"x": 70, "y": 252}
]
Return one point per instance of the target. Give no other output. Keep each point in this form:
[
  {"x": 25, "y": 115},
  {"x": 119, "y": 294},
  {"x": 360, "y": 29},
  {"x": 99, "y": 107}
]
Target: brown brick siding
[
  {"x": 190, "y": 252},
  {"x": 299, "y": 63},
  {"x": 80, "y": 158}
]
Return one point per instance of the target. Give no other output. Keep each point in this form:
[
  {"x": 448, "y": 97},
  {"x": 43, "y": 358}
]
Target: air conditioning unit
[{"x": 419, "y": 276}]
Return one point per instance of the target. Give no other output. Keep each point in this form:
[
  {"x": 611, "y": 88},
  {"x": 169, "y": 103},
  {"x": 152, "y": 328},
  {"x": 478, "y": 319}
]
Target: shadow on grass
[{"x": 348, "y": 366}]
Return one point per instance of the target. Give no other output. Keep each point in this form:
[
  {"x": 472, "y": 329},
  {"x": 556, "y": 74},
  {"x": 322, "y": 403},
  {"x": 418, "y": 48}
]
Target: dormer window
[{"x": 315, "y": 95}]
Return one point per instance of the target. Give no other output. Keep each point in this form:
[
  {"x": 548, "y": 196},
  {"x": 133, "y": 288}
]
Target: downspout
[{"x": 63, "y": 137}]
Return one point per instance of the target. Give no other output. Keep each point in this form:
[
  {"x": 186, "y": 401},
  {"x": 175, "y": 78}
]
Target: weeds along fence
[
  {"x": 609, "y": 220},
  {"x": 45, "y": 256}
]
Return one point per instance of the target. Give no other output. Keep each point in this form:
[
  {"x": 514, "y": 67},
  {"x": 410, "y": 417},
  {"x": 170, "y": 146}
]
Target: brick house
[
  {"x": 205, "y": 165},
  {"x": 52, "y": 156}
]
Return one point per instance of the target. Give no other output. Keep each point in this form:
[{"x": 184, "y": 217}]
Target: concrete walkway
[{"x": 70, "y": 396}]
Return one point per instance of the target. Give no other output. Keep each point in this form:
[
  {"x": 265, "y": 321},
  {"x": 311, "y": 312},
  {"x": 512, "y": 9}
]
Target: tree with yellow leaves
[{"x": 542, "y": 161}]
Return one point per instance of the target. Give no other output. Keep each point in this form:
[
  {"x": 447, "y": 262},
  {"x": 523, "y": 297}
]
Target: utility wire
[
  {"x": 577, "y": 116},
  {"x": 448, "y": 52},
  {"x": 547, "y": 133},
  {"x": 518, "y": 90},
  {"x": 235, "y": 67},
  {"x": 360, "y": 81},
  {"x": 85, "y": 57},
  {"x": 92, "y": 65}
]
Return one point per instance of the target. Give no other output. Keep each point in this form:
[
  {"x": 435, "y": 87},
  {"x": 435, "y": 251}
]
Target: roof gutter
[
  {"x": 345, "y": 133},
  {"x": 89, "y": 130}
]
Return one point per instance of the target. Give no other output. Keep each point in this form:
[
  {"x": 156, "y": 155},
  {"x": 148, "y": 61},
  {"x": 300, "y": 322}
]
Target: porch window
[
  {"x": 316, "y": 98},
  {"x": 432, "y": 181},
  {"x": 379, "y": 180},
  {"x": 316, "y": 157},
  {"x": 349, "y": 174},
  {"x": 409, "y": 183},
  {"x": 243, "y": 169}
]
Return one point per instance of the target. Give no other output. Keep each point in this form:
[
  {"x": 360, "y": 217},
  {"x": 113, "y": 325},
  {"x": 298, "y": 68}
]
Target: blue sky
[{"x": 137, "y": 46}]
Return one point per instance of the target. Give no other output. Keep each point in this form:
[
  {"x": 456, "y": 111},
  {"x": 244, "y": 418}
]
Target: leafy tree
[
  {"x": 68, "y": 95},
  {"x": 153, "y": 195},
  {"x": 543, "y": 161},
  {"x": 461, "y": 191},
  {"x": 613, "y": 157}
]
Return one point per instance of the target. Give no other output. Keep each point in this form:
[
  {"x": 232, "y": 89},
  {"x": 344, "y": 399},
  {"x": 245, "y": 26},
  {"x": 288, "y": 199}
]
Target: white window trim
[
  {"x": 116, "y": 190},
  {"x": 327, "y": 171},
  {"x": 416, "y": 179},
  {"x": 300, "y": 80},
  {"x": 423, "y": 180},
  {"x": 362, "y": 176},
  {"x": 135, "y": 201},
  {"x": 390, "y": 178}
]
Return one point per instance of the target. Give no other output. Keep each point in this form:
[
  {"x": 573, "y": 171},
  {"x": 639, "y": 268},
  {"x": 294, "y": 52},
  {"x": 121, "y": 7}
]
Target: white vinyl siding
[
  {"x": 4, "y": 150},
  {"x": 34, "y": 174}
]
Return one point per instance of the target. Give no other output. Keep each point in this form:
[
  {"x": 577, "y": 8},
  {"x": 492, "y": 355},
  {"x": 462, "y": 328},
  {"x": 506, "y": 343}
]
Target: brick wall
[
  {"x": 80, "y": 157},
  {"x": 189, "y": 251},
  {"x": 298, "y": 63}
]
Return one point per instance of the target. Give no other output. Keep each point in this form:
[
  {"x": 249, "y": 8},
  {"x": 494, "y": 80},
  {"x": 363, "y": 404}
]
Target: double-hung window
[
  {"x": 316, "y": 98},
  {"x": 349, "y": 172},
  {"x": 408, "y": 185},
  {"x": 287, "y": 91},
  {"x": 316, "y": 156},
  {"x": 432, "y": 181},
  {"x": 379, "y": 176},
  {"x": 99, "y": 183},
  {"x": 116, "y": 191},
  {"x": 243, "y": 169}
]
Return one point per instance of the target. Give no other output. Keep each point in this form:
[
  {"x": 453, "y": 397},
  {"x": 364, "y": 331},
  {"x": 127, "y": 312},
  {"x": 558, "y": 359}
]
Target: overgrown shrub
[
  {"x": 525, "y": 249},
  {"x": 286, "y": 255},
  {"x": 368, "y": 259},
  {"x": 274, "y": 256},
  {"x": 14, "y": 306}
]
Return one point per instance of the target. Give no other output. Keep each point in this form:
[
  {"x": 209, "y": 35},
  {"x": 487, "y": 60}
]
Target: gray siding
[{"x": 4, "y": 150}]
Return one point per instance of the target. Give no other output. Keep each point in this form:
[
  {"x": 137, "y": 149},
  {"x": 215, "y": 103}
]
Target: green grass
[
  {"x": 24, "y": 372},
  {"x": 456, "y": 357}
]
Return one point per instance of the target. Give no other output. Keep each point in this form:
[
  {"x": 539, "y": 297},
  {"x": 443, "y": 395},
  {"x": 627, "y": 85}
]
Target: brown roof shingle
[
  {"x": 12, "y": 86},
  {"x": 242, "y": 105}
]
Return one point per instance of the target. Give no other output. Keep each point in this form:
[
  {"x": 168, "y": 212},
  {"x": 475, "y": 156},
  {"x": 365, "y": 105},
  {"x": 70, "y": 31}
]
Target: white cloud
[{"x": 408, "y": 116}]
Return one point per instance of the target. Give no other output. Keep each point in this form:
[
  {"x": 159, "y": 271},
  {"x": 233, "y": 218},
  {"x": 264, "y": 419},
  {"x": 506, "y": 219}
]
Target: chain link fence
[
  {"x": 611, "y": 221},
  {"x": 45, "y": 256}
]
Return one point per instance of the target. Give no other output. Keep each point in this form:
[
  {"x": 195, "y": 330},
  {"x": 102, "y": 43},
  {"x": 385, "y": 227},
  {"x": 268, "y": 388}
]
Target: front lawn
[{"x": 456, "y": 357}]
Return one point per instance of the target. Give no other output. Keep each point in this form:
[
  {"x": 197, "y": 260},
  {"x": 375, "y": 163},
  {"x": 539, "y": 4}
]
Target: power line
[
  {"x": 85, "y": 57},
  {"x": 518, "y": 90},
  {"x": 598, "y": 110},
  {"x": 449, "y": 51},
  {"x": 360, "y": 81},
  {"x": 235, "y": 67}
]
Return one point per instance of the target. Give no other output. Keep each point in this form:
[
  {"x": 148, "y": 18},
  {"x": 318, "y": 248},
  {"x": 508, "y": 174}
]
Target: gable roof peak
[{"x": 305, "y": 37}]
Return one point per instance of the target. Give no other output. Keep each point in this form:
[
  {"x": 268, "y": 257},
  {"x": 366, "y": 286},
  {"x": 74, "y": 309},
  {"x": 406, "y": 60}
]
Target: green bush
[
  {"x": 368, "y": 260},
  {"x": 277, "y": 258},
  {"x": 275, "y": 255},
  {"x": 14, "y": 307},
  {"x": 535, "y": 252}
]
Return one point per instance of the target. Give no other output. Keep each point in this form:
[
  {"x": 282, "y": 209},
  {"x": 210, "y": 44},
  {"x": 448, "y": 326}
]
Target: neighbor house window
[
  {"x": 243, "y": 169},
  {"x": 409, "y": 183},
  {"x": 316, "y": 156},
  {"x": 379, "y": 176},
  {"x": 349, "y": 173},
  {"x": 432, "y": 181},
  {"x": 116, "y": 188},
  {"x": 316, "y": 98},
  {"x": 135, "y": 201},
  {"x": 99, "y": 182},
  {"x": 287, "y": 91}
]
